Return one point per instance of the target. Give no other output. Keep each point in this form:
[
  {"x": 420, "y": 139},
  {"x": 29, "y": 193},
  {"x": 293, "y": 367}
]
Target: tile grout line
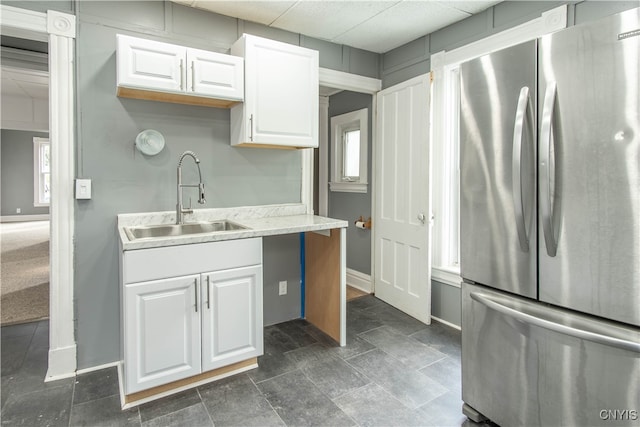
[
  {"x": 267, "y": 400},
  {"x": 73, "y": 395},
  {"x": 205, "y": 406}
]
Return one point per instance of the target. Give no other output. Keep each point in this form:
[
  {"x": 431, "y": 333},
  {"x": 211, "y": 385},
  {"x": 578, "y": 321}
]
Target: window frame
[
  {"x": 38, "y": 174},
  {"x": 340, "y": 125}
]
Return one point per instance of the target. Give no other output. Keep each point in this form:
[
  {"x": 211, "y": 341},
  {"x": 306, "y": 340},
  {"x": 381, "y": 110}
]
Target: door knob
[{"x": 421, "y": 217}]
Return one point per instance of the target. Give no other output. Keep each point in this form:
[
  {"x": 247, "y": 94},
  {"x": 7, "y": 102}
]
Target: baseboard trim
[
  {"x": 144, "y": 396},
  {"x": 97, "y": 368},
  {"x": 21, "y": 218},
  {"x": 452, "y": 325},
  {"x": 359, "y": 280},
  {"x": 62, "y": 363}
]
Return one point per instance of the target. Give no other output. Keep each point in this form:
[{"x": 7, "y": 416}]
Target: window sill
[
  {"x": 448, "y": 276},
  {"x": 348, "y": 187}
]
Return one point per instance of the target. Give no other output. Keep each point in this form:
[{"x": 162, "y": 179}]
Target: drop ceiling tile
[
  {"x": 262, "y": 12},
  {"x": 400, "y": 24},
  {"x": 328, "y": 19}
]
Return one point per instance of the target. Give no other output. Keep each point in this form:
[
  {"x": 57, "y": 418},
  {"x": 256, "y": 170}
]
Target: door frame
[
  {"x": 59, "y": 30},
  {"x": 338, "y": 80}
]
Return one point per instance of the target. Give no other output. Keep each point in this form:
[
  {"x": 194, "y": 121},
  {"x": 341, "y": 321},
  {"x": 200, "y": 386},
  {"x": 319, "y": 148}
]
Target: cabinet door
[
  {"x": 148, "y": 64},
  {"x": 162, "y": 332},
  {"x": 281, "y": 94},
  {"x": 231, "y": 316},
  {"x": 215, "y": 75}
]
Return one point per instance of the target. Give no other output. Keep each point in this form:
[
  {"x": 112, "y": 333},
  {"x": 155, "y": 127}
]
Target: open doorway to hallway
[{"x": 25, "y": 182}]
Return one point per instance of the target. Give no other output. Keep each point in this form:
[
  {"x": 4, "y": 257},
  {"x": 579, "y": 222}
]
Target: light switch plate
[{"x": 83, "y": 189}]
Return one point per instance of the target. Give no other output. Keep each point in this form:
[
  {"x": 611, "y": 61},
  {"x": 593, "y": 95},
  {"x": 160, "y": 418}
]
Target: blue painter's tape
[{"x": 302, "y": 275}]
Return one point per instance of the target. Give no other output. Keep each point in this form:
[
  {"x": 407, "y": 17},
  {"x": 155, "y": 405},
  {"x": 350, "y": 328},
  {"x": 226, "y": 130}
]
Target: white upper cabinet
[
  {"x": 159, "y": 71},
  {"x": 281, "y": 95},
  {"x": 215, "y": 74}
]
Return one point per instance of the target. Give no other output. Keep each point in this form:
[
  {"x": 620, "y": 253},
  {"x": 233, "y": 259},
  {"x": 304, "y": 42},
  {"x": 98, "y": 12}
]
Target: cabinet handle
[
  {"x": 181, "y": 74},
  {"x": 251, "y": 127},
  {"x": 208, "y": 293},
  {"x": 193, "y": 75},
  {"x": 196, "y": 293}
]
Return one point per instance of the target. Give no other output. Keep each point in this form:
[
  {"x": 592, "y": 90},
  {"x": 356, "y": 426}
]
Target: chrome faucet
[{"x": 180, "y": 211}]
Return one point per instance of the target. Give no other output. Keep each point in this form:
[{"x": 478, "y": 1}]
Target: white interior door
[{"x": 401, "y": 215}]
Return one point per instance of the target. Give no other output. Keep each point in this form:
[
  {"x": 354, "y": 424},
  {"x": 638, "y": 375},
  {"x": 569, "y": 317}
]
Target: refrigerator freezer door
[
  {"x": 526, "y": 364},
  {"x": 589, "y": 168},
  {"x": 497, "y": 170}
]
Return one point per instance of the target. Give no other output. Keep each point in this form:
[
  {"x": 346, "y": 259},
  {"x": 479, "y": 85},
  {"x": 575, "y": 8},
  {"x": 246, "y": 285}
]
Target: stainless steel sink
[{"x": 169, "y": 230}]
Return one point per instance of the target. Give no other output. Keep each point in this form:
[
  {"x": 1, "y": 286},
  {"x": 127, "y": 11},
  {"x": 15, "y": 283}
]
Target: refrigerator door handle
[
  {"x": 544, "y": 170},
  {"x": 524, "y": 105},
  {"x": 498, "y": 304}
]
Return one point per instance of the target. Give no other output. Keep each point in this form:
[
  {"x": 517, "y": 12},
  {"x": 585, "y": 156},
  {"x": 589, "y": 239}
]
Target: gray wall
[
  {"x": 16, "y": 152},
  {"x": 42, "y": 5},
  {"x": 126, "y": 181},
  {"x": 350, "y": 206},
  {"x": 412, "y": 59},
  {"x": 281, "y": 258}
]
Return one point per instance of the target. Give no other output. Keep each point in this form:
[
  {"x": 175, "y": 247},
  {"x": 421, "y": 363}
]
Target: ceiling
[
  {"x": 376, "y": 26},
  {"x": 24, "y": 83}
]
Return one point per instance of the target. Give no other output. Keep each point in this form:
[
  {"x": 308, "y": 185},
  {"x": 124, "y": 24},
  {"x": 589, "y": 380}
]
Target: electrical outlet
[
  {"x": 282, "y": 288},
  {"x": 18, "y": 210}
]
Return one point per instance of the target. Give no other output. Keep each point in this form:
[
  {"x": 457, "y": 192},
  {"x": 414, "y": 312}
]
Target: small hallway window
[
  {"x": 349, "y": 152},
  {"x": 41, "y": 172}
]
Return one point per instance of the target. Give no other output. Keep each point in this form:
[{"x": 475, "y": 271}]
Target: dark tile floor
[{"x": 393, "y": 371}]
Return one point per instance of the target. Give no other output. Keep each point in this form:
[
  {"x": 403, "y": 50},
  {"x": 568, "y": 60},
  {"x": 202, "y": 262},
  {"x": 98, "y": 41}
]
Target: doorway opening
[
  {"x": 26, "y": 173},
  {"x": 338, "y": 91}
]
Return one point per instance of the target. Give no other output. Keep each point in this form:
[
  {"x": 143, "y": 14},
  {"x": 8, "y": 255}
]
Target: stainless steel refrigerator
[{"x": 550, "y": 228}]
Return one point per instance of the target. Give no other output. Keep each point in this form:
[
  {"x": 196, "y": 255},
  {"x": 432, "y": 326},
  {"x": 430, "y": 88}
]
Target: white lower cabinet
[
  {"x": 163, "y": 339},
  {"x": 179, "y": 327},
  {"x": 231, "y": 316}
]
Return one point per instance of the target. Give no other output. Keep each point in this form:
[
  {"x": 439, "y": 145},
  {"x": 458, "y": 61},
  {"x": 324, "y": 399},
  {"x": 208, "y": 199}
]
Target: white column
[{"x": 62, "y": 346}]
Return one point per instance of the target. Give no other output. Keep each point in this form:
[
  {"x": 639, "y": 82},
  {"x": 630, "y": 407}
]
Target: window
[
  {"x": 41, "y": 172},
  {"x": 446, "y": 190},
  {"x": 349, "y": 137}
]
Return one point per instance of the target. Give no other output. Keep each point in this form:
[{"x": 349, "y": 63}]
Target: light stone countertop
[{"x": 260, "y": 221}]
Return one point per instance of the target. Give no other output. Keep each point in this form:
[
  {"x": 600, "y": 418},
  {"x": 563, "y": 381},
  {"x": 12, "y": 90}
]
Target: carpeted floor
[{"x": 24, "y": 271}]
